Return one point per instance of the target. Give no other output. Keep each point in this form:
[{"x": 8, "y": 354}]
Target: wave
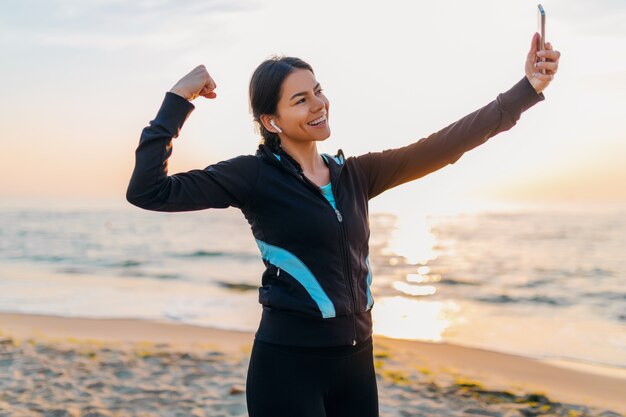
[
  {"x": 128, "y": 263},
  {"x": 452, "y": 281},
  {"x": 606, "y": 295},
  {"x": 212, "y": 254},
  {"x": 237, "y": 286},
  {"x": 538, "y": 299}
]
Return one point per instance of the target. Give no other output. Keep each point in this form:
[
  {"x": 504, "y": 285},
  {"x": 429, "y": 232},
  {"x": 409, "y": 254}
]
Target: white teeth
[{"x": 317, "y": 121}]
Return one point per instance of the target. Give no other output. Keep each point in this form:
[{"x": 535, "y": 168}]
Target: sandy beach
[{"x": 54, "y": 366}]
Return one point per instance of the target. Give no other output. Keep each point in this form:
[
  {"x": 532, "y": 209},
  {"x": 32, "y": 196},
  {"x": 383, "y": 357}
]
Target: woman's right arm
[
  {"x": 226, "y": 183},
  {"x": 391, "y": 167}
]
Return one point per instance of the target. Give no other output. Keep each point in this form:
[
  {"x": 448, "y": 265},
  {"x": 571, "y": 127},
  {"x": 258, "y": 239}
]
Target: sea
[{"x": 548, "y": 282}]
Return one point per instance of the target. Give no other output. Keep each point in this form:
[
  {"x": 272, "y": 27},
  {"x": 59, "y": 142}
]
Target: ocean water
[{"x": 542, "y": 283}]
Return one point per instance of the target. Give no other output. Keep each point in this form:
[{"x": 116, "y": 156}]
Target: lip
[
  {"x": 317, "y": 117},
  {"x": 320, "y": 126},
  {"x": 325, "y": 123}
]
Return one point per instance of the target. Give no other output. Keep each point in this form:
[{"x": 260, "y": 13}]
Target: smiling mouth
[{"x": 320, "y": 121}]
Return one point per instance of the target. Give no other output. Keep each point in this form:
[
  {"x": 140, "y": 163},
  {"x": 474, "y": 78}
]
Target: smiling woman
[{"x": 308, "y": 212}]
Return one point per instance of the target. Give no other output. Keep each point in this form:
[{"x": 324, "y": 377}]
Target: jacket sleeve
[
  {"x": 226, "y": 183},
  {"x": 392, "y": 167}
]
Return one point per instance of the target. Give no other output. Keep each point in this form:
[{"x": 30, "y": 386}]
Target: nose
[{"x": 320, "y": 104}]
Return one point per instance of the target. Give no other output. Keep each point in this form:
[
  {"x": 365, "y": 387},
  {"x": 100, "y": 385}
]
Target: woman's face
[{"x": 301, "y": 103}]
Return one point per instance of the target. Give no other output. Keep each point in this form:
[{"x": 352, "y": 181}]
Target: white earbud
[{"x": 275, "y": 127}]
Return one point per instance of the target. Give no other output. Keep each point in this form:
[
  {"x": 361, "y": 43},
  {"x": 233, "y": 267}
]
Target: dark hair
[{"x": 265, "y": 89}]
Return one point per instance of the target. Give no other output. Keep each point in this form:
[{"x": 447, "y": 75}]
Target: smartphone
[{"x": 541, "y": 28}]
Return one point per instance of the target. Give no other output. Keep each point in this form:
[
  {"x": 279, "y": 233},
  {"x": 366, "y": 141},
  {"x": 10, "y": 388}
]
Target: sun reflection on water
[
  {"x": 406, "y": 284},
  {"x": 420, "y": 278},
  {"x": 409, "y": 289},
  {"x": 405, "y": 318},
  {"x": 412, "y": 239}
]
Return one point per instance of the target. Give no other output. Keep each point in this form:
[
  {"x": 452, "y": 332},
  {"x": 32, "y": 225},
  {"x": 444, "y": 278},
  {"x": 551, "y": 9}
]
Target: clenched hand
[{"x": 197, "y": 83}]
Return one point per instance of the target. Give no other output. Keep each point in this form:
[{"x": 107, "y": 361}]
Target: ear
[{"x": 265, "y": 119}]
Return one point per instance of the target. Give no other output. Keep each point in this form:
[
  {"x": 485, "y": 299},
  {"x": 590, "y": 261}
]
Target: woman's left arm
[{"x": 392, "y": 167}]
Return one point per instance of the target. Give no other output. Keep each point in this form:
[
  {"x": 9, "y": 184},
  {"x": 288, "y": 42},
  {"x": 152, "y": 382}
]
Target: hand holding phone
[{"x": 542, "y": 60}]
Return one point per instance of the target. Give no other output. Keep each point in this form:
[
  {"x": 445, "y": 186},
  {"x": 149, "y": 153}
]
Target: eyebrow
[{"x": 302, "y": 93}]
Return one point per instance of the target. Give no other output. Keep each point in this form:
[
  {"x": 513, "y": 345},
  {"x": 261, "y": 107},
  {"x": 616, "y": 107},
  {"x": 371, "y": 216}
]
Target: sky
[{"x": 81, "y": 79}]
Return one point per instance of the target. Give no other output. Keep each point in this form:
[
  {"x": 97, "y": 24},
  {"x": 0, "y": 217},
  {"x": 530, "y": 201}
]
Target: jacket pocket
[
  {"x": 282, "y": 291},
  {"x": 360, "y": 288},
  {"x": 365, "y": 283}
]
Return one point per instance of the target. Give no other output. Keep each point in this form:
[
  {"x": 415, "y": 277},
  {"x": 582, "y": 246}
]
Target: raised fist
[{"x": 196, "y": 83}]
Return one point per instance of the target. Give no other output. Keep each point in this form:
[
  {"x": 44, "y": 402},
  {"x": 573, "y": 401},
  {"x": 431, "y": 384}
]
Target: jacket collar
[{"x": 335, "y": 163}]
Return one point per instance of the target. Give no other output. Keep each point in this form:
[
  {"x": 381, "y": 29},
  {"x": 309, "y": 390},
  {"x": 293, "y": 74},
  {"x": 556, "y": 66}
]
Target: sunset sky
[{"x": 80, "y": 80}]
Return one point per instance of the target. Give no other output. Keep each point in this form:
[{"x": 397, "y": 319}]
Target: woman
[{"x": 312, "y": 353}]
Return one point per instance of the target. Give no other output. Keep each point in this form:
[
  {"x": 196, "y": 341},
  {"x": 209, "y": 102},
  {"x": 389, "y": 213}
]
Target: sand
[{"x": 55, "y": 366}]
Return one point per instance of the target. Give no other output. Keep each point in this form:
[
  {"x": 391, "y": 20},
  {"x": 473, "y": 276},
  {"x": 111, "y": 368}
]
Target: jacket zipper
[
  {"x": 344, "y": 254},
  {"x": 349, "y": 278}
]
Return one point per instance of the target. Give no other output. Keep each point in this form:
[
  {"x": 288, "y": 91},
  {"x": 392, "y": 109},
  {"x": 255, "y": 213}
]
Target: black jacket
[{"x": 316, "y": 286}]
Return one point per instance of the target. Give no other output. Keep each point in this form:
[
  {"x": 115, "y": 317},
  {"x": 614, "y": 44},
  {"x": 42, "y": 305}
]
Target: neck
[{"x": 305, "y": 153}]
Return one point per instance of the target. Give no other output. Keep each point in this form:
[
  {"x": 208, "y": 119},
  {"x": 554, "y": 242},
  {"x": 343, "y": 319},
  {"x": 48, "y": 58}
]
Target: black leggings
[{"x": 290, "y": 381}]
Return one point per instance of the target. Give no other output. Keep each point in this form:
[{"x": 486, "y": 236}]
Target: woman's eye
[{"x": 301, "y": 100}]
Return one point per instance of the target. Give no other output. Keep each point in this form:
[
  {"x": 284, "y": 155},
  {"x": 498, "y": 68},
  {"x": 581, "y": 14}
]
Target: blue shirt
[{"x": 328, "y": 193}]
